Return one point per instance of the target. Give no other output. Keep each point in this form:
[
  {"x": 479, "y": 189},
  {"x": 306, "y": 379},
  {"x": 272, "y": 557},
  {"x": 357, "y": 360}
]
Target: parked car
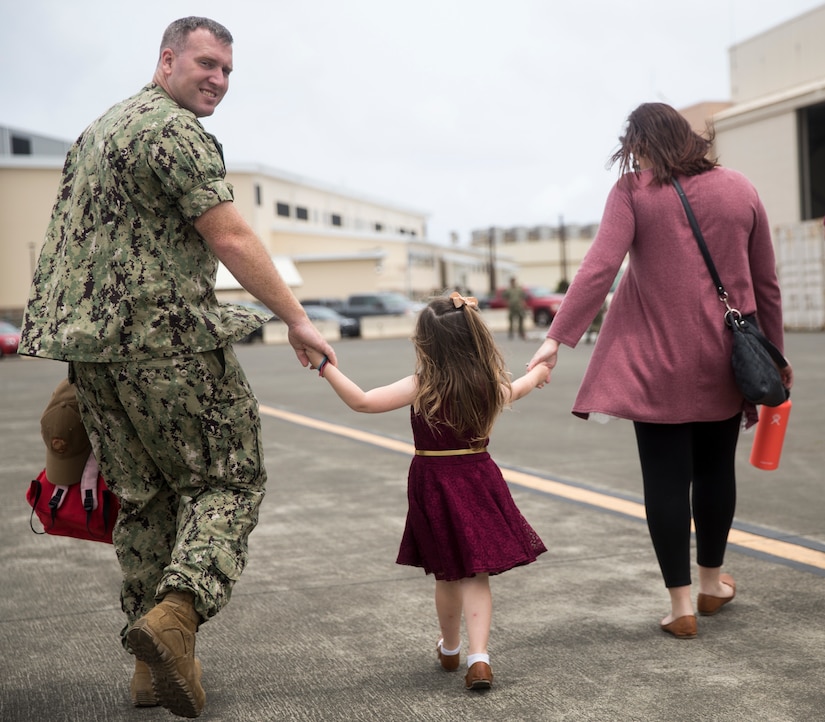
[
  {"x": 541, "y": 302},
  {"x": 9, "y": 338},
  {"x": 349, "y": 327},
  {"x": 381, "y": 303},
  {"x": 336, "y": 304}
]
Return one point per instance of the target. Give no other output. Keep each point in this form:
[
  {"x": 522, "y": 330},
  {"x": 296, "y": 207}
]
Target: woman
[{"x": 662, "y": 359}]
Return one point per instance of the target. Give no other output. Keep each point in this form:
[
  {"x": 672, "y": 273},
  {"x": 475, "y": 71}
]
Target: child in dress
[{"x": 462, "y": 523}]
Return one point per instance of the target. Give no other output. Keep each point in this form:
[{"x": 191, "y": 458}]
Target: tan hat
[{"x": 67, "y": 445}]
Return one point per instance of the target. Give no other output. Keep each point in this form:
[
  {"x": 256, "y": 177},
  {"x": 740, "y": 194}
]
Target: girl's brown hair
[
  {"x": 663, "y": 136},
  {"x": 462, "y": 378}
]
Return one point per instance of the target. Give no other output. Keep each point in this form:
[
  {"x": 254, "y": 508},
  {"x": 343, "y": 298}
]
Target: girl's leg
[
  {"x": 666, "y": 460},
  {"x": 714, "y": 499},
  {"x": 448, "y": 605},
  {"x": 478, "y": 611}
]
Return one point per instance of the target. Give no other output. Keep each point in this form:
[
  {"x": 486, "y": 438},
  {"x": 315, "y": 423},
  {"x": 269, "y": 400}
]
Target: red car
[
  {"x": 542, "y": 302},
  {"x": 9, "y": 338}
]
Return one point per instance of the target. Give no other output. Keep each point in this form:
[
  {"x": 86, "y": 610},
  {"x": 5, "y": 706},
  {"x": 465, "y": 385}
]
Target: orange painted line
[{"x": 748, "y": 540}]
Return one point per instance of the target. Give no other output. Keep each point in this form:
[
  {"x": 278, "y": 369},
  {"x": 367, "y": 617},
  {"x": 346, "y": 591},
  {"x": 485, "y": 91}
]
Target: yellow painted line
[
  {"x": 754, "y": 542},
  {"x": 338, "y": 430}
]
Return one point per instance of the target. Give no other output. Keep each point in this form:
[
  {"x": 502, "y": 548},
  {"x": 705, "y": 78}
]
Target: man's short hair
[{"x": 178, "y": 31}]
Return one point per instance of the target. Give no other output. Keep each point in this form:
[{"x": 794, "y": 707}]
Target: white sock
[
  {"x": 473, "y": 658},
  {"x": 448, "y": 652}
]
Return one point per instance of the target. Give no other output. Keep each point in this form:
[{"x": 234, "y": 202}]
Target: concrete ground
[{"x": 324, "y": 626}]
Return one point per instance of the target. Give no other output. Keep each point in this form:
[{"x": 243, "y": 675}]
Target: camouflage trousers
[{"x": 178, "y": 441}]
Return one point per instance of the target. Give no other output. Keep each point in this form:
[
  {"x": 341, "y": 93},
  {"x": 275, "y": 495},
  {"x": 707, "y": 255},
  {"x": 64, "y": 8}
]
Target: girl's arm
[
  {"x": 384, "y": 398},
  {"x": 536, "y": 377}
]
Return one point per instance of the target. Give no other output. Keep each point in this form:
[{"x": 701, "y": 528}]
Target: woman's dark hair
[{"x": 663, "y": 136}]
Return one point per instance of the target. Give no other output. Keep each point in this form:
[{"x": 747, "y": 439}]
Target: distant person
[
  {"x": 125, "y": 292},
  {"x": 516, "y": 299},
  {"x": 662, "y": 358},
  {"x": 462, "y": 523}
]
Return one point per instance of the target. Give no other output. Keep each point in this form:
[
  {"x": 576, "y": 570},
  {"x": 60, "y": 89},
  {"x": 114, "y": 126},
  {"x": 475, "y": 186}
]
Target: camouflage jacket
[{"x": 123, "y": 274}]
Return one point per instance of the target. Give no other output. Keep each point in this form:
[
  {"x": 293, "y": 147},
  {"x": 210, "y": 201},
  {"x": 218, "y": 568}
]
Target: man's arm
[{"x": 235, "y": 244}]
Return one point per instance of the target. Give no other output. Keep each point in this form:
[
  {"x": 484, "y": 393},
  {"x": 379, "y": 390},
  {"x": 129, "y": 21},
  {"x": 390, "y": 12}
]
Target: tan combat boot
[
  {"x": 164, "y": 639},
  {"x": 141, "y": 687}
]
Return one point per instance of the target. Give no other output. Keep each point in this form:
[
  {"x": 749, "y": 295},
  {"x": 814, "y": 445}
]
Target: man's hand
[{"x": 305, "y": 339}]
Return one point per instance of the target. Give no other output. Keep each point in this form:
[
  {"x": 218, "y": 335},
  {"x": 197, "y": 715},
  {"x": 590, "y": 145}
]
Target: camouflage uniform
[
  {"x": 516, "y": 305},
  {"x": 124, "y": 290}
]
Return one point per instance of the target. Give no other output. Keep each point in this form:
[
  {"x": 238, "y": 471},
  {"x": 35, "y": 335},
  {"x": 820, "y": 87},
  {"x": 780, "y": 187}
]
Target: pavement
[{"x": 323, "y": 625}]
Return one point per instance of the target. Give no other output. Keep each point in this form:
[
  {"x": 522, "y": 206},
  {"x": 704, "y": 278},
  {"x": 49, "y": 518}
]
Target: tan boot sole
[{"x": 172, "y": 689}]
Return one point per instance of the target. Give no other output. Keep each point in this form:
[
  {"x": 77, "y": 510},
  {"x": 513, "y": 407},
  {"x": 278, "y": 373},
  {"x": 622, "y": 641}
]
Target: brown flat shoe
[
  {"x": 449, "y": 662},
  {"x": 708, "y": 605},
  {"x": 479, "y": 676},
  {"x": 682, "y": 627}
]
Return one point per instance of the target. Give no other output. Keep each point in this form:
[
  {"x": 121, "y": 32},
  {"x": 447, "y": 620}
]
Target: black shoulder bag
[{"x": 755, "y": 360}]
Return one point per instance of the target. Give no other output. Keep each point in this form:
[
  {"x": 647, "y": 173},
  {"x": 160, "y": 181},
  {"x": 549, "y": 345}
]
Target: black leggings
[{"x": 672, "y": 456}]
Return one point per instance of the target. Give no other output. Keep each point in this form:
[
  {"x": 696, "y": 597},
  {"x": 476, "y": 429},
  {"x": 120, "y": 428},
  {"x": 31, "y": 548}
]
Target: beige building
[
  {"x": 544, "y": 256},
  {"x": 341, "y": 243},
  {"x": 326, "y": 242},
  {"x": 774, "y": 132},
  {"x": 774, "y": 129}
]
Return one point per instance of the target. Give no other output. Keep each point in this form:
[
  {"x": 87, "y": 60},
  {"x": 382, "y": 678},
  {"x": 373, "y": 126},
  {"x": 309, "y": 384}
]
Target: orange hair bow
[{"x": 459, "y": 300}]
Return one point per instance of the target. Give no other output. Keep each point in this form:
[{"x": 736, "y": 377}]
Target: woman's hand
[
  {"x": 547, "y": 354},
  {"x": 787, "y": 376}
]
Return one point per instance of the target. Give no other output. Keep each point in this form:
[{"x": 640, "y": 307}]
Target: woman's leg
[
  {"x": 714, "y": 498},
  {"x": 666, "y": 461},
  {"x": 478, "y": 611},
  {"x": 448, "y": 605}
]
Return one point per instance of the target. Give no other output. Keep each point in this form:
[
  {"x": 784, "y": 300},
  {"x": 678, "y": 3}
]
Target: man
[
  {"x": 124, "y": 291},
  {"x": 516, "y": 305}
]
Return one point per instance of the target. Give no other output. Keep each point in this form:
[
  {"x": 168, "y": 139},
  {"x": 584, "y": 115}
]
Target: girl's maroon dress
[{"x": 462, "y": 519}]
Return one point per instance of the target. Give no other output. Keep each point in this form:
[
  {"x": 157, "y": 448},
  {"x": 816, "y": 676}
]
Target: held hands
[
  {"x": 315, "y": 358},
  {"x": 547, "y": 354},
  {"x": 305, "y": 340},
  {"x": 541, "y": 373}
]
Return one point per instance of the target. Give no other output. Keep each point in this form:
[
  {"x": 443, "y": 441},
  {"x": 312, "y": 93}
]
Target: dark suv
[{"x": 381, "y": 303}]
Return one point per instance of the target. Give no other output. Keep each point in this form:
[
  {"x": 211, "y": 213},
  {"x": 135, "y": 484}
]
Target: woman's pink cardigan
[{"x": 663, "y": 353}]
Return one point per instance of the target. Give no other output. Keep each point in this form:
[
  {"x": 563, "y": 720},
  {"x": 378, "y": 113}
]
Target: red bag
[{"x": 73, "y": 517}]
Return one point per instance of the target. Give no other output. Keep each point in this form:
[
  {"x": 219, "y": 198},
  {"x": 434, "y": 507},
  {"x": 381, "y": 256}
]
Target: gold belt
[{"x": 450, "y": 452}]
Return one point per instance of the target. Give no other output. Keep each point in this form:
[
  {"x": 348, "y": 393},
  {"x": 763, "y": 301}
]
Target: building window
[
  {"x": 21, "y": 146},
  {"x": 302, "y": 214},
  {"x": 282, "y": 209},
  {"x": 335, "y": 219},
  {"x": 257, "y": 194},
  {"x": 379, "y": 227}
]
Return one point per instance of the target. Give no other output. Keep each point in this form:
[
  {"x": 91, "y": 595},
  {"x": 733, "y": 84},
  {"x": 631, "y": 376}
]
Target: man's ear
[{"x": 167, "y": 57}]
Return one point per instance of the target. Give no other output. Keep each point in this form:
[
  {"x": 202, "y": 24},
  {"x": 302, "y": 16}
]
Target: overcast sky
[{"x": 477, "y": 112}]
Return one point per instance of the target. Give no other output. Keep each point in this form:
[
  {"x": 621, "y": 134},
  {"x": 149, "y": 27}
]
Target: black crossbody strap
[
  {"x": 700, "y": 239},
  {"x": 733, "y": 317}
]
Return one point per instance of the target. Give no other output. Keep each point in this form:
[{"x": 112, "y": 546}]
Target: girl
[{"x": 462, "y": 523}]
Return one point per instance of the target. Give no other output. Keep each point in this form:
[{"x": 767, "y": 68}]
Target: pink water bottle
[{"x": 770, "y": 435}]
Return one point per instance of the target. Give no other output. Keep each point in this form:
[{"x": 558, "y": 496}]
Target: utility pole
[
  {"x": 563, "y": 283},
  {"x": 492, "y": 260}
]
